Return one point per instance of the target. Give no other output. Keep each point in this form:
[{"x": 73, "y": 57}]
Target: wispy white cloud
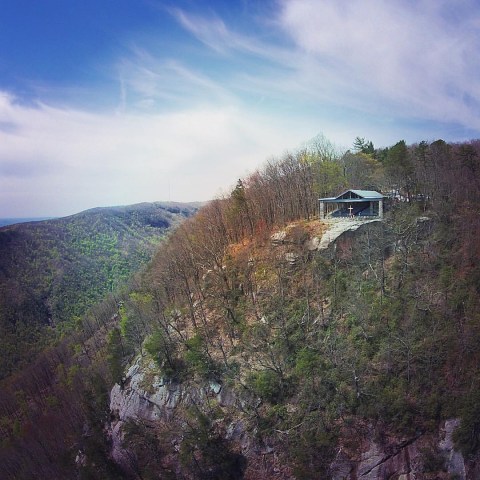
[
  {"x": 396, "y": 58},
  {"x": 378, "y": 61},
  {"x": 58, "y": 161},
  {"x": 412, "y": 56},
  {"x": 156, "y": 83},
  {"x": 214, "y": 33}
]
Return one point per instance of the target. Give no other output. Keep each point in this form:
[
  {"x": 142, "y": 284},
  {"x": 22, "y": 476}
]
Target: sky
[{"x": 115, "y": 102}]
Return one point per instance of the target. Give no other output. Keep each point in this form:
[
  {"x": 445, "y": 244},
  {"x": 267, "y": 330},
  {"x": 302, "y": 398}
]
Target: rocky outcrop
[
  {"x": 278, "y": 238},
  {"x": 421, "y": 457},
  {"x": 332, "y": 230},
  {"x": 454, "y": 460},
  {"x": 139, "y": 400},
  {"x": 366, "y": 452},
  {"x": 149, "y": 397},
  {"x": 338, "y": 227}
]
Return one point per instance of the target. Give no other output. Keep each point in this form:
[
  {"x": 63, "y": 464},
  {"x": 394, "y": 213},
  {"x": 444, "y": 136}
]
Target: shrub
[
  {"x": 197, "y": 360},
  {"x": 267, "y": 385}
]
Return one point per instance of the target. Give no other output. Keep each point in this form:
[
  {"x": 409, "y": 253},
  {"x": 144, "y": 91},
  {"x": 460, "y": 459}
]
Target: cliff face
[
  {"x": 376, "y": 455},
  {"x": 139, "y": 400},
  {"x": 316, "y": 353},
  {"x": 420, "y": 457},
  {"x": 148, "y": 398}
]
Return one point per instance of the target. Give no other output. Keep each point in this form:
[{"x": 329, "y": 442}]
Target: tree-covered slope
[
  {"x": 369, "y": 346},
  {"x": 52, "y": 271}
]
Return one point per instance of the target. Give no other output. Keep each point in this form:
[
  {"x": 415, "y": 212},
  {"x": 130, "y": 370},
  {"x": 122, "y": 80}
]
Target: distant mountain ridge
[
  {"x": 52, "y": 271},
  {"x": 12, "y": 221}
]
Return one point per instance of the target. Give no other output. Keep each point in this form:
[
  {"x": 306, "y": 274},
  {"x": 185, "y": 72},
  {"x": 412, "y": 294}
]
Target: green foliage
[
  {"x": 132, "y": 330},
  {"x": 267, "y": 384},
  {"x": 329, "y": 178},
  {"x": 161, "y": 349},
  {"x": 115, "y": 355},
  {"x": 362, "y": 170},
  {"x": 155, "y": 346},
  {"x": 383, "y": 329},
  {"x": 307, "y": 363},
  {"x": 363, "y": 146},
  {"x": 393, "y": 405},
  {"x": 99, "y": 465},
  {"x": 433, "y": 460},
  {"x": 400, "y": 168},
  {"x": 312, "y": 447},
  {"x": 197, "y": 361},
  {"x": 148, "y": 450}
]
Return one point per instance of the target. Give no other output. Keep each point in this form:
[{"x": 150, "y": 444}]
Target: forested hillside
[
  {"x": 381, "y": 333},
  {"x": 263, "y": 357},
  {"x": 52, "y": 271}
]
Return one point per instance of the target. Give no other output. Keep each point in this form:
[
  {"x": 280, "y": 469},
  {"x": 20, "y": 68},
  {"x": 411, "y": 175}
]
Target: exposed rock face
[
  {"x": 335, "y": 228},
  {"x": 420, "y": 458},
  {"x": 338, "y": 227},
  {"x": 312, "y": 244},
  {"x": 291, "y": 258},
  {"x": 378, "y": 455},
  {"x": 279, "y": 237},
  {"x": 377, "y": 463},
  {"x": 454, "y": 460},
  {"x": 147, "y": 396},
  {"x": 135, "y": 402}
]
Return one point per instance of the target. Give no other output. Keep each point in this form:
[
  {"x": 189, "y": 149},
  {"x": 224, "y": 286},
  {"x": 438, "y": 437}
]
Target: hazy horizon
[{"x": 5, "y": 221}]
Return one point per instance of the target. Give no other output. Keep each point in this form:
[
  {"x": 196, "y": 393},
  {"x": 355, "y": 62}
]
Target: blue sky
[{"x": 107, "y": 102}]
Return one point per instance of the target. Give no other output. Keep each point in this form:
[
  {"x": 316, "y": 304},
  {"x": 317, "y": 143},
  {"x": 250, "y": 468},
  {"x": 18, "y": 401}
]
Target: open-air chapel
[{"x": 352, "y": 203}]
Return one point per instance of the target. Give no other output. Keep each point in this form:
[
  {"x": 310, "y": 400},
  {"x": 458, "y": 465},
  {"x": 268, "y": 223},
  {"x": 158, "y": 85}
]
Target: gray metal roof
[{"x": 365, "y": 194}]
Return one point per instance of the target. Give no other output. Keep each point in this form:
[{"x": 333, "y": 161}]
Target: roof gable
[{"x": 357, "y": 195}]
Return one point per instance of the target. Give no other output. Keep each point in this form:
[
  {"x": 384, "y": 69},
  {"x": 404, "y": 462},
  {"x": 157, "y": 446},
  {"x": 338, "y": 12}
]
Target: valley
[{"x": 53, "y": 271}]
